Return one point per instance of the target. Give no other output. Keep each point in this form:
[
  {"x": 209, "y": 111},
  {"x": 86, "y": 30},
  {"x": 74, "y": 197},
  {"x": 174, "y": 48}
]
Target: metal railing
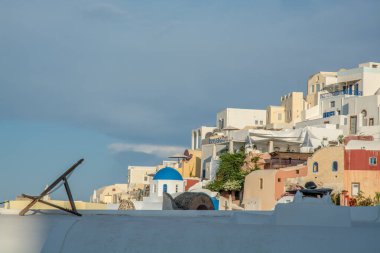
[{"x": 342, "y": 92}]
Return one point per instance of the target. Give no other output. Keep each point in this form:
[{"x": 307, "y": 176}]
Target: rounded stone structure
[{"x": 194, "y": 201}]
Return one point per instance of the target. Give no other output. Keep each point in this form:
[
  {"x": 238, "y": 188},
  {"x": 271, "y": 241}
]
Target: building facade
[
  {"x": 240, "y": 118},
  {"x": 263, "y": 188},
  {"x": 288, "y": 113},
  {"x": 110, "y": 194},
  {"x": 362, "y": 168},
  {"x": 140, "y": 176},
  {"x": 326, "y": 168},
  {"x": 191, "y": 167},
  {"x": 199, "y": 134}
]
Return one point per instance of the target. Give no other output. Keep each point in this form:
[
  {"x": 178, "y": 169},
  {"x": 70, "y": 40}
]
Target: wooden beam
[
  {"x": 51, "y": 187},
  {"x": 52, "y": 205}
]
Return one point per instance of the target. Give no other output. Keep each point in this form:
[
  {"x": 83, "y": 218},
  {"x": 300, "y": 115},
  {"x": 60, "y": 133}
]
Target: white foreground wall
[{"x": 292, "y": 228}]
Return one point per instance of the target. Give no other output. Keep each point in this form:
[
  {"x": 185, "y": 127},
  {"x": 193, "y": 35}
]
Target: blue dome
[{"x": 167, "y": 173}]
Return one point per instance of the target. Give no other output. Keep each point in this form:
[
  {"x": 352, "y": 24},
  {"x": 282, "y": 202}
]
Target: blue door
[
  {"x": 356, "y": 89},
  {"x": 165, "y": 188}
]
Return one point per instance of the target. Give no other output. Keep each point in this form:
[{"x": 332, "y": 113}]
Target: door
[
  {"x": 355, "y": 189},
  {"x": 353, "y": 124},
  {"x": 165, "y": 188}
]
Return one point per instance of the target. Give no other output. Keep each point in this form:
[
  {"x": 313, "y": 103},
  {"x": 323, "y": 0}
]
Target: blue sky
[{"x": 123, "y": 82}]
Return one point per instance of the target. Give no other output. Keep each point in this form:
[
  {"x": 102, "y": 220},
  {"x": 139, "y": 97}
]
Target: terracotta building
[{"x": 362, "y": 168}]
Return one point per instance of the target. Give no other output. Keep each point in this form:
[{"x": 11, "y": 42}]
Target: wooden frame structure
[{"x": 63, "y": 177}]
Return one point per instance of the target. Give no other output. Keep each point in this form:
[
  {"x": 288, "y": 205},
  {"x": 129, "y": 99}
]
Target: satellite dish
[{"x": 188, "y": 155}]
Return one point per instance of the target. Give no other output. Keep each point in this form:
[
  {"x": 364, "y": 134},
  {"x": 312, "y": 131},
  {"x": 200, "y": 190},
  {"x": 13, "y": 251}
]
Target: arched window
[
  {"x": 364, "y": 117},
  {"x": 165, "y": 188},
  {"x": 335, "y": 166},
  {"x": 315, "y": 167}
]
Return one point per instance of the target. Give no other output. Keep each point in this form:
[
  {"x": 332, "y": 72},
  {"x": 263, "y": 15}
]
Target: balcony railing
[
  {"x": 342, "y": 92},
  {"x": 328, "y": 114}
]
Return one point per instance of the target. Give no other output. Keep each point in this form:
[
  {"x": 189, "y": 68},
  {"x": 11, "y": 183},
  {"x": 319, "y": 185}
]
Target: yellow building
[
  {"x": 288, "y": 113},
  {"x": 316, "y": 83},
  {"x": 326, "y": 168},
  {"x": 139, "y": 176},
  {"x": 191, "y": 167}
]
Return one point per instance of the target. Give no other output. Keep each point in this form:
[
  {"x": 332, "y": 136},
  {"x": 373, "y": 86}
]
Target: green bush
[{"x": 230, "y": 176}]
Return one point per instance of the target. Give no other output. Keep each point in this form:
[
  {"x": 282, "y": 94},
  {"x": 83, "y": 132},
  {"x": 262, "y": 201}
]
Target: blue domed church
[{"x": 167, "y": 180}]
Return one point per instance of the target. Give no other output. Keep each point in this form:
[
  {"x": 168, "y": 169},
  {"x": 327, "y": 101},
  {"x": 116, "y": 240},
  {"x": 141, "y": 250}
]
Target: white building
[
  {"x": 240, "y": 118},
  {"x": 352, "y": 114},
  {"x": 350, "y": 104},
  {"x": 362, "y": 81},
  {"x": 110, "y": 194},
  {"x": 199, "y": 134}
]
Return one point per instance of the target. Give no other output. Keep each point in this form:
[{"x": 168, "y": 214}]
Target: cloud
[
  {"x": 104, "y": 11},
  {"x": 157, "y": 150}
]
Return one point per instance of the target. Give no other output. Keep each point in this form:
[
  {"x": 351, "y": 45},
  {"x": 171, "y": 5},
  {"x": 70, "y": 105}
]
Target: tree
[
  {"x": 341, "y": 139},
  {"x": 335, "y": 198},
  {"x": 376, "y": 199},
  {"x": 230, "y": 176}
]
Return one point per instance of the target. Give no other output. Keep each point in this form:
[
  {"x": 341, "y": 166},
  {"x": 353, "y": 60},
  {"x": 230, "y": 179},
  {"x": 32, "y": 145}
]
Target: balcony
[{"x": 342, "y": 92}]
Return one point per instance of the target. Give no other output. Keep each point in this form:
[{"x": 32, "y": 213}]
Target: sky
[{"x": 123, "y": 83}]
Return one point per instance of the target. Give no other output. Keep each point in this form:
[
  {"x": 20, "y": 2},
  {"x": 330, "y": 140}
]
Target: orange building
[
  {"x": 362, "y": 168},
  {"x": 263, "y": 188}
]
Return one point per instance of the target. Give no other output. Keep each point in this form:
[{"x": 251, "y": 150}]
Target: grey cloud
[
  {"x": 171, "y": 69},
  {"x": 104, "y": 11}
]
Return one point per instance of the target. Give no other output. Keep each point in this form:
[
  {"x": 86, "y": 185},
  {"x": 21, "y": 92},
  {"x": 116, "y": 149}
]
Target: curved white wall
[{"x": 171, "y": 185}]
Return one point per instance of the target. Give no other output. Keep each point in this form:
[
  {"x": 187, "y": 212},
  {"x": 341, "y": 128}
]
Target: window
[
  {"x": 373, "y": 161},
  {"x": 261, "y": 122},
  {"x": 315, "y": 167},
  {"x": 371, "y": 122},
  {"x": 261, "y": 183},
  {"x": 256, "y": 122},
  {"x": 355, "y": 189},
  {"x": 312, "y": 89},
  {"x": 165, "y": 188},
  {"x": 345, "y": 121},
  {"x": 335, "y": 166},
  {"x": 176, "y": 188},
  {"x": 279, "y": 116},
  {"x": 155, "y": 188},
  {"x": 145, "y": 178},
  {"x": 221, "y": 123},
  {"x": 279, "y": 180},
  {"x": 332, "y": 104},
  {"x": 297, "y": 171}
]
